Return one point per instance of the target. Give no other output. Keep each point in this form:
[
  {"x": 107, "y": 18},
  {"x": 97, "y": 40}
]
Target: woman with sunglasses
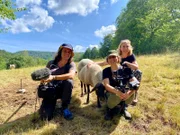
[{"x": 115, "y": 84}]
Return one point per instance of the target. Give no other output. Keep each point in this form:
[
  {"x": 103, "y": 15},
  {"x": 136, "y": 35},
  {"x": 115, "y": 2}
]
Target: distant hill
[
  {"x": 47, "y": 55},
  {"x": 4, "y": 54},
  {"x": 38, "y": 54}
]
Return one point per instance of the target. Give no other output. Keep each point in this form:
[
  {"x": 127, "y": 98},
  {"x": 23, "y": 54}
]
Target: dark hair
[{"x": 58, "y": 57}]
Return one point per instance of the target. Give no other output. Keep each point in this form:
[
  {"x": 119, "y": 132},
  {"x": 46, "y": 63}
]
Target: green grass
[{"x": 156, "y": 113}]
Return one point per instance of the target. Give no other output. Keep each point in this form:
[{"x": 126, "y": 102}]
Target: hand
[
  {"x": 125, "y": 63},
  {"x": 50, "y": 78},
  {"x": 126, "y": 96},
  {"x": 121, "y": 95}
]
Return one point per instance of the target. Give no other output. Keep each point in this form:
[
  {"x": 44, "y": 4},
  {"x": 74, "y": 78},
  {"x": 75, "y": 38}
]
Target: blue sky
[{"x": 46, "y": 24}]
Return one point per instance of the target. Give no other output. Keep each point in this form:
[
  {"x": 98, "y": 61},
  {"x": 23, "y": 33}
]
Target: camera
[
  {"x": 46, "y": 91},
  {"x": 125, "y": 80},
  {"x": 134, "y": 84}
]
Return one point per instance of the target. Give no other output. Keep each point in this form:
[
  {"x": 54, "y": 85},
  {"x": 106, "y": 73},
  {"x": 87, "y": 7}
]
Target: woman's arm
[
  {"x": 112, "y": 89},
  {"x": 128, "y": 94},
  {"x": 104, "y": 63},
  {"x": 66, "y": 76},
  {"x": 122, "y": 96},
  {"x": 133, "y": 65}
]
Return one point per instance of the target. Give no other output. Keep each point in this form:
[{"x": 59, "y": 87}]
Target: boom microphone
[{"x": 41, "y": 74}]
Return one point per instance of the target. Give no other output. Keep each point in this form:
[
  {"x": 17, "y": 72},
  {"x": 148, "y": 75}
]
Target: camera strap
[{"x": 115, "y": 73}]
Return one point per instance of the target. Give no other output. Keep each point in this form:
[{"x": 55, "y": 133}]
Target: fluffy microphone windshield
[{"x": 41, "y": 74}]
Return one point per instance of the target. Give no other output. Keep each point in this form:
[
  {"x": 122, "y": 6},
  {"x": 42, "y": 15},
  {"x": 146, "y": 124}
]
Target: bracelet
[{"x": 54, "y": 77}]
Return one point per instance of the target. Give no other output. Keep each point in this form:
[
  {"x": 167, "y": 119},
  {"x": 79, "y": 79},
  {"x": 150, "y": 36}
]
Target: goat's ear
[{"x": 96, "y": 86}]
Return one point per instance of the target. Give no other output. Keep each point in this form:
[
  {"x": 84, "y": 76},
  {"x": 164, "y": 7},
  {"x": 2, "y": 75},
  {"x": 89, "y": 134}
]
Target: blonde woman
[{"x": 128, "y": 59}]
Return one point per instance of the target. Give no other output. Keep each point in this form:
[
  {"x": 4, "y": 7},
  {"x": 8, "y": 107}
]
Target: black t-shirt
[
  {"x": 131, "y": 58},
  {"x": 113, "y": 75},
  {"x": 55, "y": 70}
]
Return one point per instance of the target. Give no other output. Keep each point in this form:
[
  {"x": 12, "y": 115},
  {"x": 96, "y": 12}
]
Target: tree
[
  {"x": 151, "y": 25},
  {"x": 161, "y": 26},
  {"x": 19, "y": 61},
  {"x": 94, "y": 53},
  {"x": 7, "y": 11},
  {"x": 2, "y": 63},
  {"x": 105, "y": 46},
  {"x": 127, "y": 23},
  {"x": 87, "y": 53},
  {"x": 78, "y": 56}
]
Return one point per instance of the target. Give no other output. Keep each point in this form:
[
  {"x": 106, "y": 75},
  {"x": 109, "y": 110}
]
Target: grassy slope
[{"x": 156, "y": 113}]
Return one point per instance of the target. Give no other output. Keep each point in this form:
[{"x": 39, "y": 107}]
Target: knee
[{"x": 68, "y": 82}]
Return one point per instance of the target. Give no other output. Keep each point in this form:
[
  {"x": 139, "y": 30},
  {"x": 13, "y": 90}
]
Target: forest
[{"x": 151, "y": 25}]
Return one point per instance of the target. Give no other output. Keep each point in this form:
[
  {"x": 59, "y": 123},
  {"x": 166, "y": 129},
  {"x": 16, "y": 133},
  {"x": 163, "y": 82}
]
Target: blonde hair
[{"x": 125, "y": 41}]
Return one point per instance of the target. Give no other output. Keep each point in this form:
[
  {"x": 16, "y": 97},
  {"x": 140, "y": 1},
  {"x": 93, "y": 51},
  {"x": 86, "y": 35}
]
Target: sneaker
[
  {"x": 67, "y": 114},
  {"x": 127, "y": 115},
  {"x": 134, "y": 103}
]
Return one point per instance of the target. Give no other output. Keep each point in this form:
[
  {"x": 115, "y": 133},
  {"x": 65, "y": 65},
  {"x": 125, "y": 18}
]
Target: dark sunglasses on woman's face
[{"x": 110, "y": 57}]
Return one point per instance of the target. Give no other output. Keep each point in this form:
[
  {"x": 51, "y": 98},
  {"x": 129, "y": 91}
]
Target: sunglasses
[{"x": 111, "y": 57}]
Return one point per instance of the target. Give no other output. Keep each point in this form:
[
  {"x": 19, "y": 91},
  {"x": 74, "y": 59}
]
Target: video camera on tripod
[{"x": 125, "y": 80}]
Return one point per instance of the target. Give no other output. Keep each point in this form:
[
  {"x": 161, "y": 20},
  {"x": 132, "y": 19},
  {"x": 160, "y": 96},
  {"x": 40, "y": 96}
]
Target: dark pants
[{"x": 63, "y": 92}]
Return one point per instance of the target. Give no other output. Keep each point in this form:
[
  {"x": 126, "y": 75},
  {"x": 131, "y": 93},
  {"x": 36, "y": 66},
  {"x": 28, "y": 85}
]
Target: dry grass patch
[{"x": 157, "y": 111}]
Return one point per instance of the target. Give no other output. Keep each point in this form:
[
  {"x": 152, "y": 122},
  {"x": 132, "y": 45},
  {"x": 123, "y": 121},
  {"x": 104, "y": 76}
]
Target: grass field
[{"x": 157, "y": 112}]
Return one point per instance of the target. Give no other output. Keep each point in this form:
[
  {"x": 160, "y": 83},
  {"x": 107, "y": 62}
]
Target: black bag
[{"x": 46, "y": 91}]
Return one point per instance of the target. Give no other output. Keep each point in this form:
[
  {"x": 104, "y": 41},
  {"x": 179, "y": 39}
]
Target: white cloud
[
  {"x": 79, "y": 48},
  {"x": 82, "y": 7},
  {"x": 37, "y": 19},
  {"x": 92, "y": 46},
  {"x": 113, "y": 1},
  {"x": 19, "y": 26},
  {"x": 24, "y": 3},
  {"x": 105, "y": 31},
  {"x": 16, "y": 26}
]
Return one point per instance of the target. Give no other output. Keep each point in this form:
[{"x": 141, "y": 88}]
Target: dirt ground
[{"x": 15, "y": 105}]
